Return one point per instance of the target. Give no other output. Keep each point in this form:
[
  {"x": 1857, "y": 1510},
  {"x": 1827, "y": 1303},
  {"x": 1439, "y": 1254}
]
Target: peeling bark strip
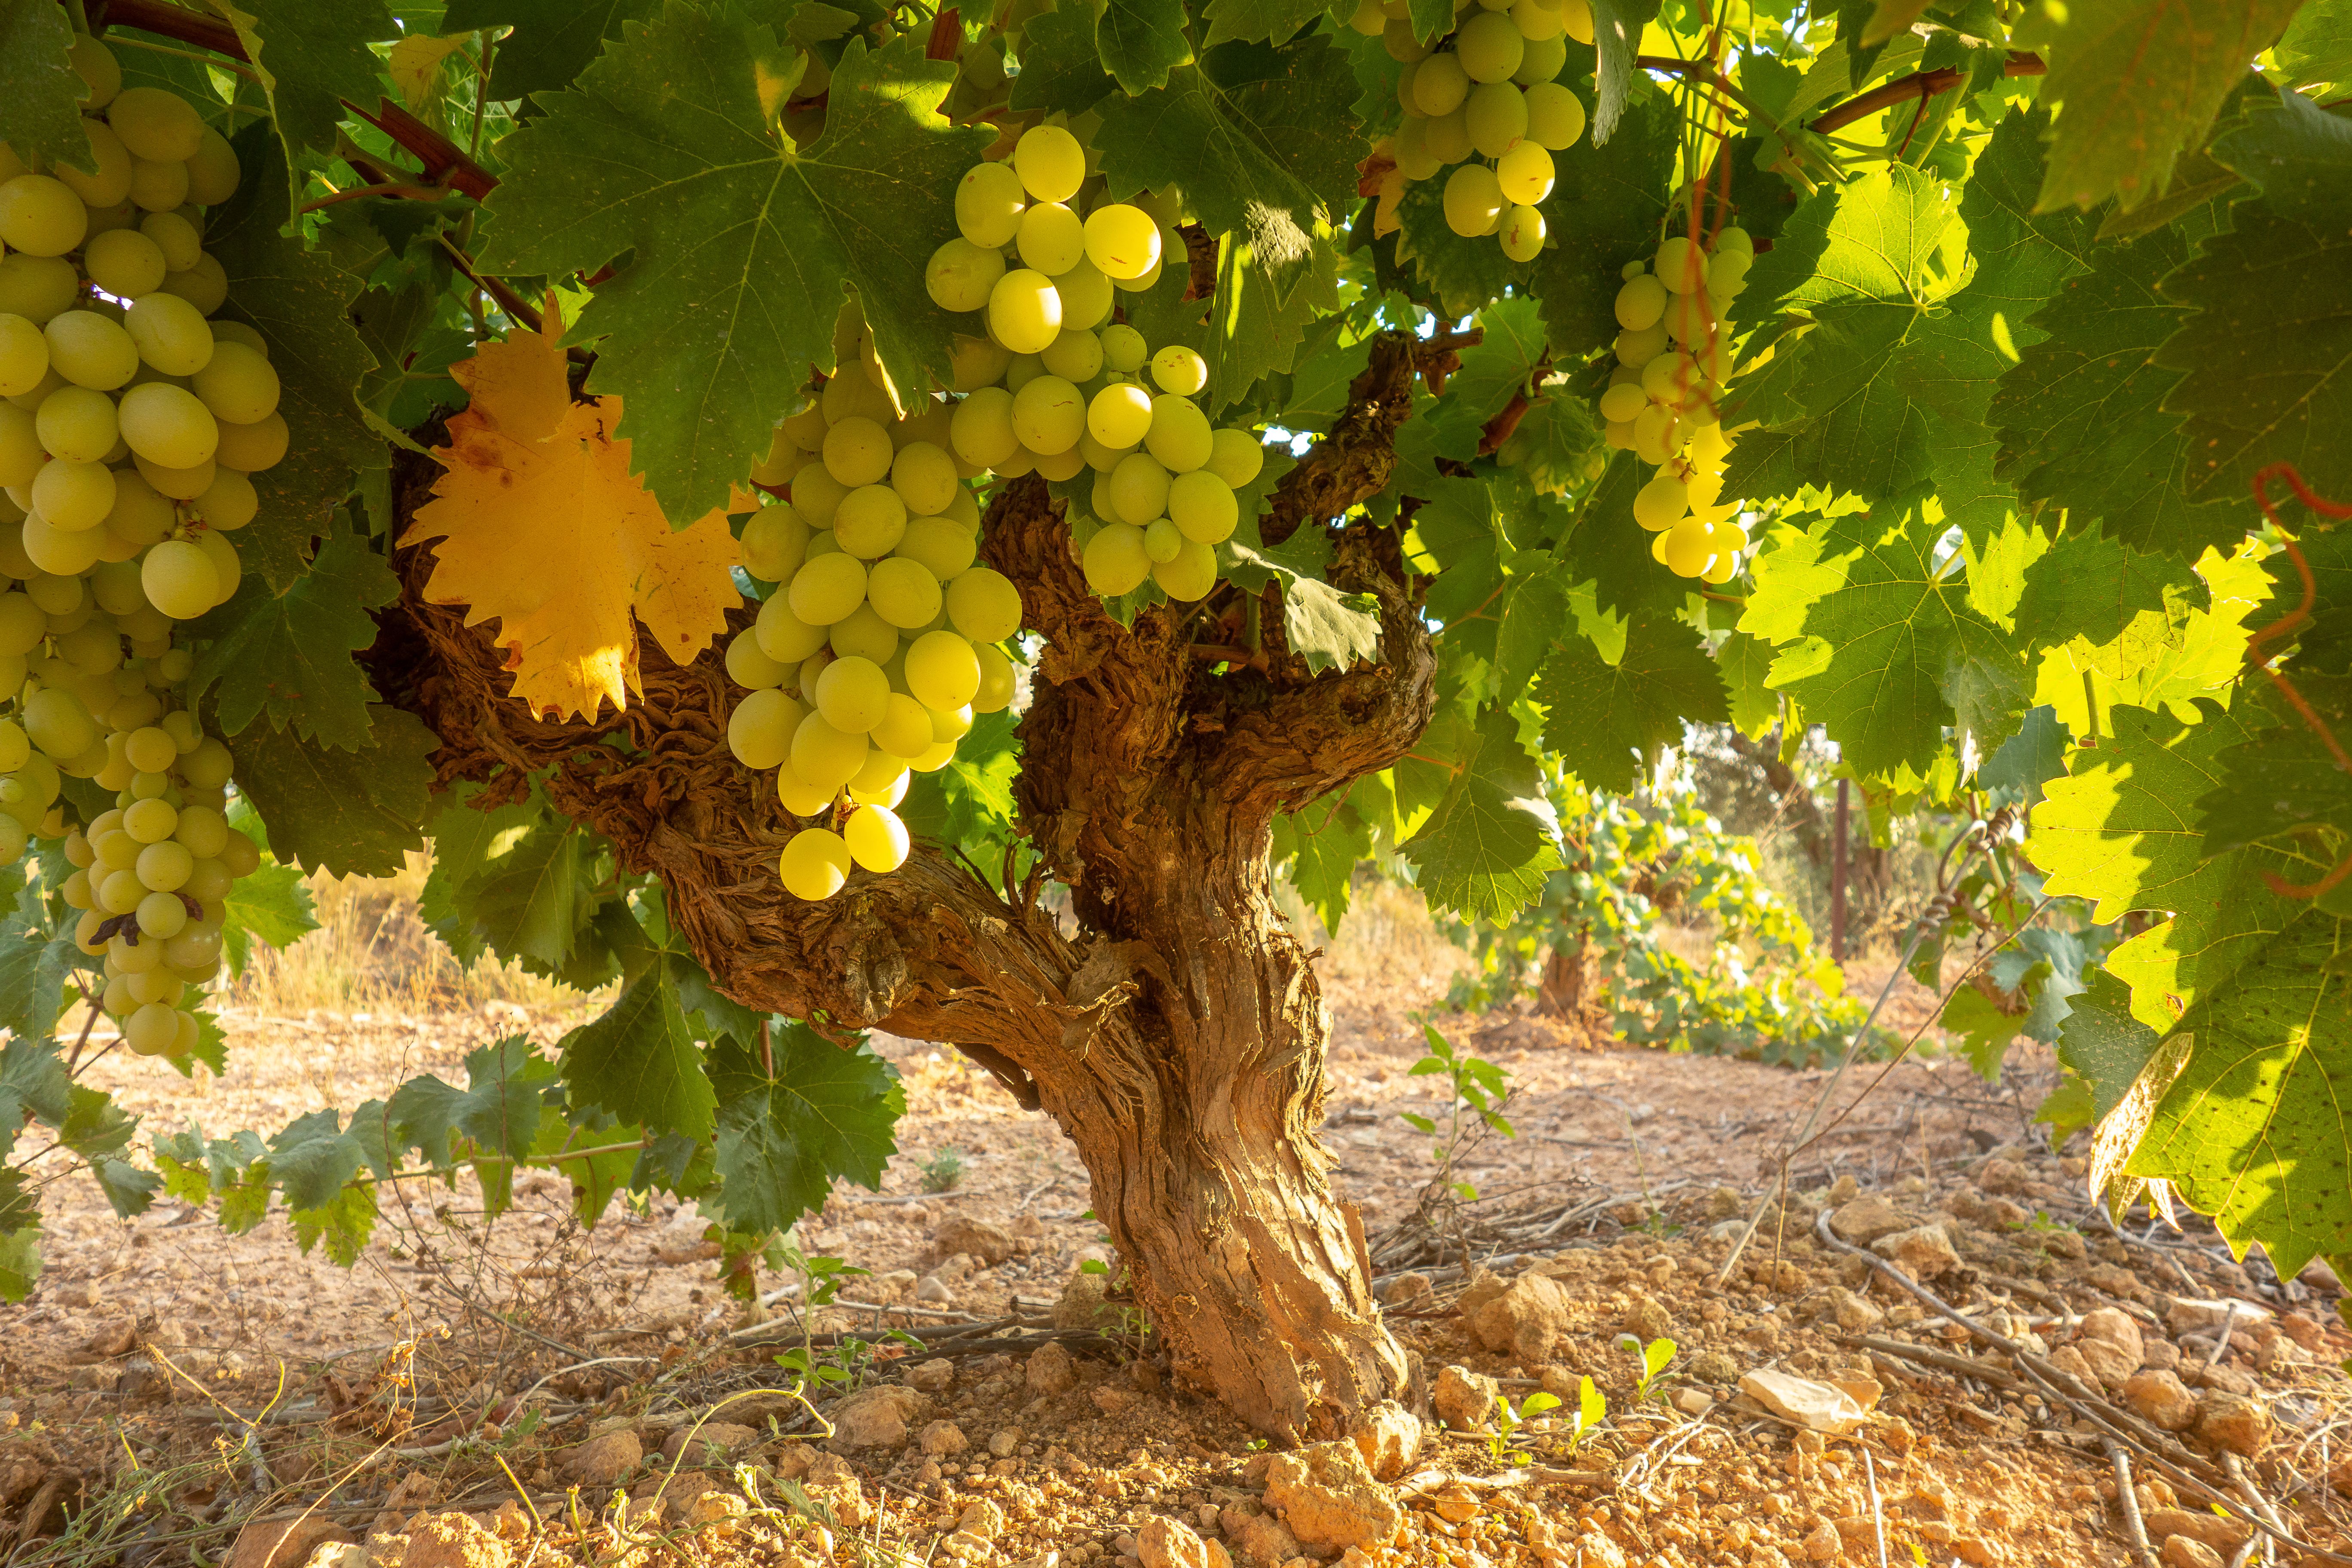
[{"x": 1180, "y": 1040}]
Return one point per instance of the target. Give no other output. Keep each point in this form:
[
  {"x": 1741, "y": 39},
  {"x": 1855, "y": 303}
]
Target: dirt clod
[{"x": 285, "y": 1543}]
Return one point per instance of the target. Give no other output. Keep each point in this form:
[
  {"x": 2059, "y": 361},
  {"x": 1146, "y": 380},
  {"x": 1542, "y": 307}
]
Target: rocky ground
[{"x": 526, "y": 1394}]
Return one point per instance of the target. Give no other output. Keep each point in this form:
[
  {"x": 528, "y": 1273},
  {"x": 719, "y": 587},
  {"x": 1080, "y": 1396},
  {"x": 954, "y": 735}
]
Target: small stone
[
  {"x": 983, "y": 1240},
  {"x": 1085, "y": 1301},
  {"x": 1328, "y": 1497},
  {"x": 2304, "y": 1333},
  {"x": 2186, "y": 1552},
  {"x": 1260, "y": 1537},
  {"x": 454, "y": 1540},
  {"x": 114, "y": 1337},
  {"x": 1115, "y": 1401},
  {"x": 2233, "y": 1422},
  {"x": 943, "y": 1437},
  {"x": 1052, "y": 1370},
  {"x": 982, "y": 1519},
  {"x": 1484, "y": 1285},
  {"x": 1691, "y": 1402},
  {"x": 1647, "y": 1321},
  {"x": 932, "y": 1291},
  {"x": 1408, "y": 1290},
  {"x": 709, "y": 1444},
  {"x": 934, "y": 1376},
  {"x": 286, "y": 1543},
  {"x": 1868, "y": 1217},
  {"x": 1525, "y": 1320},
  {"x": 602, "y": 1461},
  {"x": 1002, "y": 1443},
  {"x": 2224, "y": 1535},
  {"x": 1817, "y": 1406},
  {"x": 2189, "y": 1314},
  {"x": 1464, "y": 1399},
  {"x": 1389, "y": 1436},
  {"x": 1823, "y": 1545},
  {"x": 878, "y": 1417},
  {"x": 2160, "y": 1400},
  {"x": 895, "y": 1286},
  {"x": 79, "y": 1296},
  {"x": 1714, "y": 1367},
  {"x": 339, "y": 1554},
  {"x": 1167, "y": 1544},
  {"x": 1725, "y": 1203},
  {"x": 1924, "y": 1252},
  {"x": 1854, "y": 1313}
]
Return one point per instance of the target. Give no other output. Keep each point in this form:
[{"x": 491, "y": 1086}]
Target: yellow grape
[
  {"x": 904, "y": 592},
  {"x": 1051, "y": 163},
  {"x": 1491, "y": 46},
  {"x": 815, "y": 864},
  {"x": 852, "y": 694},
  {"x": 1048, "y": 416},
  {"x": 863, "y": 633},
  {"x": 1124, "y": 350},
  {"x": 760, "y": 731},
  {"x": 1555, "y": 116},
  {"x": 1086, "y": 292},
  {"x": 857, "y": 451},
  {"x": 96, "y": 64},
  {"x": 73, "y": 496},
  {"x": 870, "y": 521},
  {"x": 1474, "y": 200},
  {"x": 824, "y": 757},
  {"x": 1447, "y": 140},
  {"x": 171, "y": 336},
  {"x": 942, "y": 545},
  {"x": 110, "y": 186},
  {"x": 1179, "y": 436},
  {"x": 1439, "y": 85},
  {"x": 826, "y": 589},
  {"x": 89, "y": 350},
  {"x": 1139, "y": 489},
  {"x": 1636, "y": 349},
  {"x": 1162, "y": 541},
  {"x": 960, "y": 274},
  {"x": 775, "y": 540},
  {"x": 152, "y": 1030},
  {"x": 158, "y": 187},
  {"x": 1122, "y": 240},
  {"x": 817, "y": 495},
  {"x": 213, "y": 170},
  {"x": 876, "y": 839},
  {"x": 1576, "y": 16},
  {"x": 36, "y": 287},
  {"x": 168, "y": 426},
  {"x": 942, "y": 672},
  {"x": 987, "y": 206},
  {"x": 1415, "y": 161},
  {"x": 1190, "y": 576},
  {"x": 1524, "y": 174},
  {"x": 77, "y": 424},
  {"x": 1053, "y": 238},
  {"x": 250, "y": 449},
  {"x": 204, "y": 285},
  {"x": 1641, "y": 304},
  {"x": 1543, "y": 60},
  {"x": 982, "y": 429},
  {"x": 983, "y": 605},
  {"x": 23, "y": 356},
  {"x": 1536, "y": 21},
  {"x": 1523, "y": 234},
  {"x": 1621, "y": 403},
  {"x": 1074, "y": 356},
  {"x": 925, "y": 477},
  {"x": 1115, "y": 559},
  {"x": 1119, "y": 414},
  {"x": 1024, "y": 312},
  {"x": 1496, "y": 118},
  {"x": 1179, "y": 370},
  {"x": 1397, "y": 37},
  {"x": 748, "y": 666},
  {"x": 156, "y": 124},
  {"x": 881, "y": 773},
  {"x": 905, "y": 730},
  {"x": 1235, "y": 456},
  {"x": 1202, "y": 505},
  {"x": 998, "y": 683},
  {"x": 125, "y": 263},
  {"x": 1660, "y": 504},
  {"x": 1680, "y": 266},
  {"x": 41, "y": 216}
]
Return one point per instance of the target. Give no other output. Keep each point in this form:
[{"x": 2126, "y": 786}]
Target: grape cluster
[
  {"x": 1664, "y": 400},
  {"x": 879, "y": 645},
  {"x": 1056, "y": 387},
  {"x": 130, "y": 425},
  {"x": 1486, "y": 91}
]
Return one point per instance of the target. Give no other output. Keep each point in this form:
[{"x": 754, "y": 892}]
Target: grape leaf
[
  {"x": 1255, "y": 330},
  {"x": 1263, "y": 141},
  {"x": 1060, "y": 69},
  {"x": 1605, "y": 547},
  {"x": 2284, "y": 779},
  {"x": 2317, "y": 45},
  {"x": 312, "y": 1159},
  {"x": 288, "y": 657},
  {"x": 40, "y": 93},
  {"x": 311, "y": 57},
  {"x": 968, "y": 803},
  {"x": 1494, "y": 370},
  {"x": 639, "y": 1060},
  {"x": 296, "y": 298},
  {"x": 34, "y": 1085},
  {"x": 2140, "y": 82},
  {"x": 2090, "y": 587},
  {"x": 20, "y": 1247},
  {"x": 1457, "y": 273},
  {"x": 533, "y": 897},
  {"x": 341, "y": 812},
  {"x": 1608, "y": 723},
  {"x": 1322, "y": 844},
  {"x": 709, "y": 343},
  {"x": 274, "y": 903},
  {"x": 2029, "y": 759},
  {"x": 1605, "y": 203},
  {"x": 1617, "y": 37},
  {"x": 2103, "y": 1042},
  {"x": 825, "y": 1114},
  {"x": 552, "y": 41},
  {"x": 2267, "y": 355},
  {"x": 2326, "y": 644},
  {"x": 498, "y": 1109},
  {"x": 1141, "y": 41},
  {"x": 1252, "y": 20},
  {"x": 1491, "y": 838},
  {"x": 1327, "y": 626},
  {"x": 34, "y": 970}
]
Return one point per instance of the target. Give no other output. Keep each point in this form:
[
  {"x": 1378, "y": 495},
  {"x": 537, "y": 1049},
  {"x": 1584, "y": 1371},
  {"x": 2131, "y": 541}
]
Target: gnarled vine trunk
[{"x": 1180, "y": 1038}]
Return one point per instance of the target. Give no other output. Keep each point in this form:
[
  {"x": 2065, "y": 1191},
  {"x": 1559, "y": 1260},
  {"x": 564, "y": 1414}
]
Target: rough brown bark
[{"x": 1179, "y": 1038}]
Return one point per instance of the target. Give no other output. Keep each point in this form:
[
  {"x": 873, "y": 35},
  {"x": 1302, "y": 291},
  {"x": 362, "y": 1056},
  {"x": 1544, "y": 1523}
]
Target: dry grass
[{"x": 373, "y": 953}]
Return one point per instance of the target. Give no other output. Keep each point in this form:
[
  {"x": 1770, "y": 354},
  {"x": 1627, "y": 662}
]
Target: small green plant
[
  {"x": 1508, "y": 1421},
  {"x": 1476, "y": 1091},
  {"x": 1592, "y": 1410},
  {"x": 1653, "y": 1357},
  {"x": 943, "y": 1171}
]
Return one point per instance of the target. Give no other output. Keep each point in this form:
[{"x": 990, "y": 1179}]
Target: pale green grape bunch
[
  {"x": 1487, "y": 102},
  {"x": 130, "y": 422},
  {"x": 1663, "y": 401}
]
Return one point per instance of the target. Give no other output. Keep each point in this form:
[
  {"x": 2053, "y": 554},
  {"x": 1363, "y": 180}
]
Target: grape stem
[{"x": 1921, "y": 85}]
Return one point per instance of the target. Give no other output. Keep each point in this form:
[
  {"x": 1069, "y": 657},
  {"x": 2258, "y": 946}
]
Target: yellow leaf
[
  {"x": 416, "y": 66},
  {"x": 545, "y": 530}
]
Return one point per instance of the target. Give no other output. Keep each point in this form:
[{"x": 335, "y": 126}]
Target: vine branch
[{"x": 1921, "y": 85}]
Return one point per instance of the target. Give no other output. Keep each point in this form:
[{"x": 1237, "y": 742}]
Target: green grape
[
  {"x": 1053, "y": 239},
  {"x": 876, "y": 839},
  {"x": 213, "y": 171},
  {"x": 806, "y": 673},
  {"x": 942, "y": 672},
  {"x": 1536, "y": 21},
  {"x": 748, "y": 666},
  {"x": 1660, "y": 503},
  {"x": 905, "y": 730},
  {"x": 798, "y": 795},
  {"x": 816, "y": 864},
  {"x": 983, "y": 605},
  {"x": 943, "y": 547},
  {"x": 1075, "y": 356},
  {"x": 141, "y": 514},
  {"x": 1235, "y": 456},
  {"x": 96, "y": 64},
  {"x": 1544, "y": 60},
  {"x": 202, "y": 831},
  {"x": 998, "y": 684},
  {"x": 1727, "y": 271},
  {"x": 77, "y": 424},
  {"x": 155, "y": 124},
  {"x": 1024, "y": 312},
  {"x": 1119, "y": 415},
  {"x": 1555, "y": 116},
  {"x": 863, "y": 633},
  {"x": 975, "y": 362},
  {"x": 1171, "y": 243},
  {"x": 870, "y": 521},
  {"x": 1680, "y": 266},
  {"x": 1122, "y": 241},
  {"x": 824, "y": 756},
  {"x": 250, "y": 449},
  {"x": 125, "y": 263},
  {"x": 1473, "y": 200},
  {"x": 1179, "y": 370},
  {"x": 1048, "y": 415},
  {"x": 56, "y": 595},
  {"x": 852, "y": 694},
  {"x": 176, "y": 341},
  {"x": 152, "y": 1030},
  {"x": 1051, "y": 163},
  {"x": 73, "y": 496},
  {"x": 1124, "y": 350},
  {"x": 110, "y": 186},
  {"x": 1623, "y": 401},
  {"x": 168, "y": 426},
  {"x": 1496, "y": 119},
  {"x": 56, "y": 721},
  {"x": 23, "y": 625},
  {"x": 925, "y": 476},
  {"x": 775, "y": 543},
  {"x": 158, "y": 187},
  {"x": 62, "y": 552},
  {"x": 959, "y": 274},
  {"x": 987, "y": 206},
  {"x": 818, "y": 495},
  {"x": 904, "y": 592},
  {"x": 1636, "y": 349},
  {"x": 182, "y": 245},
  {"x": 1162, "y": 541},
  {"x": 1397, "y": 37},
  {"x": 204, "y": 285},
  {"x": 1023, "y": 369},
  {"x": 180, "y": 578},
  {"x": 1641, "y": 302},
  {"x": 163, "y": 868},
  {"x": 1415, "y": 161},
  {"x": 89, "y": 350},
  {"x": 826, "y": 589},
  {"x": 881, "y": 773},
  {"x": 1180, "y": 436},
  {"x": 982, "y": 429},
  {"x": 1139, "y": 489},
  {"x": 1116, "y": 559},
  {"x": 1491, "y": 46},
  {"x": 1190, "y": 576},
  {"x": 857, "y": 451},
  {"x": 964, "y": 512},
  {"x": 1439, "y": 85},
  {"x": 41, "y": 216},
  {"x": 1447, "y": 140},
  {"x": 1523, "y": 233},
  {"x": 1102, "y": 459},
  {"x": 1202, "y": 506}
]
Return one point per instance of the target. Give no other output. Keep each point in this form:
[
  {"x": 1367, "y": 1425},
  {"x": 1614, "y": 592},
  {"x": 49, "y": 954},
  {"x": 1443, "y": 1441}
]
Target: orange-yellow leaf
[{"x": 545, "y": 530}]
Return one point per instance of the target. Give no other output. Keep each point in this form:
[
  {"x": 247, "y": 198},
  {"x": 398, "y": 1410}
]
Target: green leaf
[
  {"x": 2140, "y": 82},
  {"x": 1263, "y": 141},
  {"x": 1983, "y": 1030},
  {"x": 1492, "y": 839},
  {"x": 312, "y": 1158},
  {"x": 2029, "y": 759},
  {"x": 1254, "y": 20},
  {"x": 708, "y": 343},
  {"x": 40, "y": 94},
  {"x": 1325, "y": 841},
  {"x": 1495, "y": 368},
  {"x": 1327, "y": 627},
  {"x": 2284, "y": 779},
  {"x": 535, "y": 894},
  {"x": 34, "y": 1087},
  {"x": 289, "y": 655},
  {"x": 344, "y": 1223},
  {"x": 310, "y": 58},
  {"x": 1605, "y": 547},
  {"x": 1617, "y": 37},
  {"x": 826, "y": 1114},
  {"x": 34, "y": 969},
  {"x": 274, "y": 903},
  {"x": 342, "y": 812},
  {"x": 552, "y": 41},
  {"x": 2269, "y": 348},
  {"x": 20, "y": 1249},
  {"x": 2103, "y": 1043},
  {"x": 640, "y": 1060},
  {"x": 498, "y": 1111},
  {"x": 296, "y": 297},
  {"x": 1608, "y": 723},
  {"x": 1605, "y": 205},
  {"x": 1744, "y": 662},
  {"x": 464, "y": 841},
  {"x": 1255, "y": 330},
  {"x": 2317, "y": 46},
  {"x": 1060, "y": 69},
  {"x": 1141, "y": 41}
]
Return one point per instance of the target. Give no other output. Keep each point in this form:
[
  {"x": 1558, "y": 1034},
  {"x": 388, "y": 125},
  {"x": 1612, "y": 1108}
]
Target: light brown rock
[
  {"x": 1923, "y": 1252},
  {"x": 1170, "y": 1543},
  {"x": 2233, "y": 1422},
  {"x": 1824, "y": 1544},
  {"x": 1406, "y": 1288},
  {"x": 931, "y": 1376},
  {"x": 2187, "y": 1551},
  {"x": 1085, "y": 1301},
  {"x": 944, "y": 1437},
  {"x": 1464, "y": 1399},
  {"x": 1261, "y": 1538},
  {"x": 709, "y": 1444},
  {"x": 878, "y": 1417},
  {"x": 1525, "y": 1320},
  {"x": 1852, "y": 1312},
  {"x": 1646, "y": 1320},
  {"x": 1052, "y": 1370},
  {"x": 454, "y": 1540},
  {"x": 287, "y": 1543},
  {"x": 1817, "y": 1406},
  {"x": 1870, "y": 1216},
  {"x": 2160, "y": 1400},
  {"x": 1389, "y": 1436},
  {"x": 2224, "y": 1535},
  {"x": 1714, "y": 1367},
  {"x": 114, "y": 1337},
  {"x": 602, "y": 1461},
  {"x": 1328, "y": 1497},
  {"x": 983, "y": 1240},
  {"x": 2189, "y": 1314}
]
